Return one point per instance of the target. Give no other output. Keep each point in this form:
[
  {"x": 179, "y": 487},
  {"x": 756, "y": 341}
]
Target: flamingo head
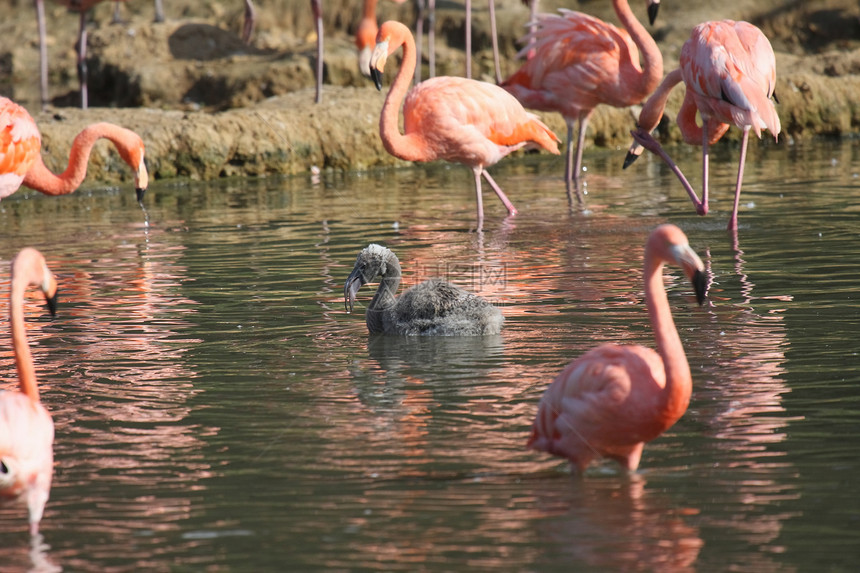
[
  {"x": 671, "y": 245},
  {"x": 377, "y": 61},
  {"x": 653, "y": 8},
  {"x": 371, "y": 262}
]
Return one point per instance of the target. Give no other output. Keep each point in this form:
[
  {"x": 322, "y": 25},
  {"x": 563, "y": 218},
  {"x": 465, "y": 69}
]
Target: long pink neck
[
  {"x": 23, "y": 358},
  {"x": 652, "y": 111},
  {"x": 42, "y": 179},
  {"x": 648, "y": 76},
  {"x": 679, "y": 382},
  {"x": 410, "y": 147}
]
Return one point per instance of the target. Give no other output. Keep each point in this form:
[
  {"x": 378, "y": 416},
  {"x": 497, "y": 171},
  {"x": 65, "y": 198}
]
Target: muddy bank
[{"x": 208, "y": 106}]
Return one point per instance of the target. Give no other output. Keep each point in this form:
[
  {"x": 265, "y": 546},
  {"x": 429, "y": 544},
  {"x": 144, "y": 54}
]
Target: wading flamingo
[
  {"x": 21, "y": 159},
  {"x": 729, "y": 71},
  {"x": 433, "y": 307},
  {"x": 455, "y": 119},
  {"x": 613, "y": 399},
  {"x": 26, "y": 428},
  {"x": 576, "y": 62}
]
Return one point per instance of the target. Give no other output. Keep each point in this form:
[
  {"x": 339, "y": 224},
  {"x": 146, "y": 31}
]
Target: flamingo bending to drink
[
  {"x": 21, "y": 159},
  {"x": 613, "y": 399},
  {"x": 729, "y": 71}
]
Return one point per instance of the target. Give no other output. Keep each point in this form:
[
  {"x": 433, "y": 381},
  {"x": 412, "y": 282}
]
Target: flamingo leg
[
  {"x": 431, "y": 38},
  {"x": 647, "y": 141},
  {"x": 117, "y": 15},
  {"x": 733, "y": 221},
  {"x": 469, "y": 39},
  {"x": 316, "y": 8},
  {"x": 159, "y": 11},
  {"x": 495, "y": 38},
  {"x": 249, "y": 24},
  {"x": 702, "y": 208},
  {"x": 420, "y": 9},
  {"x": 82, "y": 59},
  {"x": 43, "y": 52},
  {"x": 504, "y": 198},
  {"x": 477, "y": 172},
  {"x": 580, "y": 145}
]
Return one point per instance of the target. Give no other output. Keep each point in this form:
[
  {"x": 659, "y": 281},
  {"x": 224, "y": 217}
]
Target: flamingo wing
[
  {"x": 576, "y": 64},
  {"x": 472, "y": 122},
  {"x": 593, "y": 408},
  {"x": 731, "y": 69},
  {"x": 20, "y": 144}
]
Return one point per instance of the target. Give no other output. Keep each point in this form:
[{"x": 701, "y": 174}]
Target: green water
[{"x": 216, "y": 408}]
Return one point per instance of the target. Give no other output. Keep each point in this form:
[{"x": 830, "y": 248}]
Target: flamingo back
[
  {"x": 20, "y": 144},
  {"x": 731, "y": 69},
  {"x": 471, "y": 122},
  {"x": 598, "y": 406},
  {"x": 579, "y": 62},
  {"x": 26, "y": 451}
]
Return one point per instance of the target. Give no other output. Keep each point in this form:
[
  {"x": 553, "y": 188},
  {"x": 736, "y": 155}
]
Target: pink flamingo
[
  {"x": 26, "y": 428},
  {"x": 613, "y": 399},
  {"x": 21, "y": 159},
  {"x": 455, "y": 119},
  {"x": 729, "y": 71},
  {"x": 577, "y": 62}
]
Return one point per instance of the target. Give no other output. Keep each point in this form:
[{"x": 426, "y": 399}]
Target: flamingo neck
[
  {"x": 23, "y": 358},
  {"x": 409, "y": 147},
  {"x": 42, "y": 179},
  {"x": 652, "y": 111},
  {"x": 651, "y": 71},
  {"x": 385, "y": 298},
  {"x": 679, "y": 382}
]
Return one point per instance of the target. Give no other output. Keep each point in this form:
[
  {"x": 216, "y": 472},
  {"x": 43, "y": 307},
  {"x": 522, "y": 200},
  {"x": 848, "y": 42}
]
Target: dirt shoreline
[{"x": 208, "y": 107}]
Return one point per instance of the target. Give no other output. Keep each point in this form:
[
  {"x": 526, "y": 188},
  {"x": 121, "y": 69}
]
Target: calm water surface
[{"x": 217, "y": 409}]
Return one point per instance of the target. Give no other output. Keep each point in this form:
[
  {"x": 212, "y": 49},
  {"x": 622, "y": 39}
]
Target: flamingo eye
[{"x": 3, "y": 468}]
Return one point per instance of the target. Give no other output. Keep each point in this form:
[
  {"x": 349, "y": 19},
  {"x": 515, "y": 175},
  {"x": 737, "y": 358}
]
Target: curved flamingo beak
[
  {"x": 653, "y": 8},
  {"x": 693, "y": 267},
  {"x": 377, "y": 62},
  {"x": 350, "y": 289},
  {"x": 141, "y": 180}
]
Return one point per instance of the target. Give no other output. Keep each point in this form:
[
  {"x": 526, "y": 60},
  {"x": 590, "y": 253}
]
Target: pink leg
[
  {"x": 469, "y": 39},
  {"x": 431, "y": 38},
  {"x": 702, "y": 209},
  {"x": 43, "y": 52},
  {"x": 82, "y": 59},
  {"x": 733, "y": 222},
  {"x": 580, "y": 144},
  {"x": 477, "y": 171},
  {"x": 647, "y": 141},
  {"x": 159, "y": 11},
  {"x": 420, "y": 9},
  {"x": 248, "y": 26},
  {"x": 507, "y": 202},
  {"x": 495, "y": 37},
  {"x": 316, "y": 8}
]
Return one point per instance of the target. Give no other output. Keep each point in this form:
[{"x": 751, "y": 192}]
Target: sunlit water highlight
[{"x": 217, "y": 409}]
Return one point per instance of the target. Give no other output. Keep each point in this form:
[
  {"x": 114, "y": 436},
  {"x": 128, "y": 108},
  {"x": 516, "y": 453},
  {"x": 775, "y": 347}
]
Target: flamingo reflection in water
[{"x": 26, "y": 427}]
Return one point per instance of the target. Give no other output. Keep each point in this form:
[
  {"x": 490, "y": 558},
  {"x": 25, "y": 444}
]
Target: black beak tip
[
  {"x": 376, "y": 76},
  {"x": 652, "y": 13},
  {"x": 700, "y": 285},
  {"x": 51, "y": 303},
  {"x": 629, "y": 159},
  {"x": 139, "y": 193}
]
